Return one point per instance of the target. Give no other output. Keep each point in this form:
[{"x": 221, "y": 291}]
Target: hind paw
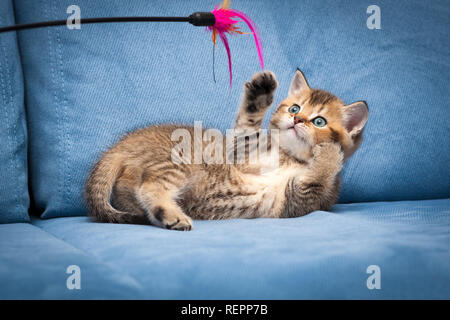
[{"x": 172, "y": 219}]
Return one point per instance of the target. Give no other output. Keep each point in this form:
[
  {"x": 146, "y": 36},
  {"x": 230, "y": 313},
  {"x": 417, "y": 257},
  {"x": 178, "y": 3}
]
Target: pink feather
[
  {"x": 227, "y": 47},
  {"x": 255, "y": 32},
  {"x": 225, "y": 24}
]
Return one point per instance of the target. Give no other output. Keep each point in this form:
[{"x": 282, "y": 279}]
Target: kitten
[{"x": 316, "y": 131}]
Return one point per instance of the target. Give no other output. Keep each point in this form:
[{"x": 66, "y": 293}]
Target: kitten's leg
[
  {"x": 326, "y": 164},
  {"x": 258, "y": 96},
  {"x": 123, "y": 199},
  {"x": 161, "y": 208},
  {"x": 318, "y": 188}
]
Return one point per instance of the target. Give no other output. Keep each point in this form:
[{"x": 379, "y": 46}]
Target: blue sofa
[{"x": 67, "y": 95}]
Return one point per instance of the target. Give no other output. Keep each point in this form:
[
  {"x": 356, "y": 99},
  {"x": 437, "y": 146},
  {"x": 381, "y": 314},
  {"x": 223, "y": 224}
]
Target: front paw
[
  {"x": 328, "y": 156},
  {"x": 260, "y": 90}
]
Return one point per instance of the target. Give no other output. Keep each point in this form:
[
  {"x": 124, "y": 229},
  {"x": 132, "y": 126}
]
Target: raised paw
[
  {"x": 329, "y": 156},
  {"x": 260, "y": 90},
  {"x": 172, "y": 219}
]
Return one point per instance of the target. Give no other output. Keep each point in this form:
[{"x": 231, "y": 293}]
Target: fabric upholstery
[
  {"x": 34, "y": 264},
  {"x": 14, "y": 198}
]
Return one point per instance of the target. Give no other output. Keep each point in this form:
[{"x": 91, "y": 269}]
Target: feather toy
[{"x": 225, "y": 23}]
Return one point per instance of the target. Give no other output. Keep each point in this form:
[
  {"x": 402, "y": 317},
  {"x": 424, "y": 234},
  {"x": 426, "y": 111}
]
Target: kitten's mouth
[{"x": 301, "y": 133}]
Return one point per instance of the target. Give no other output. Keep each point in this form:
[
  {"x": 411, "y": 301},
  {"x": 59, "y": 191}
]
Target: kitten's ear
[
  {"x": 355, "y": 117},
  {"x": 298, "y": 84}
]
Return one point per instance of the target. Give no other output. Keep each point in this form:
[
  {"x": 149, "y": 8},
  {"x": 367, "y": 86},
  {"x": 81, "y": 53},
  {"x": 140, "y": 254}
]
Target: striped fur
[{"x": 136, "y": 180}]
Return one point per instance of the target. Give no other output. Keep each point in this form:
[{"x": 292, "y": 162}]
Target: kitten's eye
[
  {"x": 319, "y": 122},
  {"x": 294, "y": 109}
]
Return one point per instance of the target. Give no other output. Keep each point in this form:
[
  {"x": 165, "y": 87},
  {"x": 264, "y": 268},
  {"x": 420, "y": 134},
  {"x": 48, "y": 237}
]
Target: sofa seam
[
  {"x": 65, "y": 137},
  {"x": 55, "y": 100}
]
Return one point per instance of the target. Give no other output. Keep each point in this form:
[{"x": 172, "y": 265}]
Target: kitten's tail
[{"x": 99, "y": 188}]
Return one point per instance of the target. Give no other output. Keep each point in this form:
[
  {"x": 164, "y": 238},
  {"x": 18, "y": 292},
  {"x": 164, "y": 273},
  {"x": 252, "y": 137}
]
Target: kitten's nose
[{"x": 298, "y": 120}]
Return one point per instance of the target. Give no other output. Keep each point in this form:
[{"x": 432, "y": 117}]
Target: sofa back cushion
[
  {"x": 86, "y": 88},
  {"x": 14, "y": 198}
]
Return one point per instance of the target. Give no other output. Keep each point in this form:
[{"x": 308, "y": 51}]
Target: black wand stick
[{"x": 197, "y": 19}]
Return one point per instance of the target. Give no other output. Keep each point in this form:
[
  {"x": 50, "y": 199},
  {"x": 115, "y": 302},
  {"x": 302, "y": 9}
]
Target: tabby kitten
[{"x": 317, "y": 132}]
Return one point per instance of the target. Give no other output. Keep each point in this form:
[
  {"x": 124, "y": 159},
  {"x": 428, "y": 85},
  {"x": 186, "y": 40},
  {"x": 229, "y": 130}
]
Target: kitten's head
[{"x": 310, "y": 116}]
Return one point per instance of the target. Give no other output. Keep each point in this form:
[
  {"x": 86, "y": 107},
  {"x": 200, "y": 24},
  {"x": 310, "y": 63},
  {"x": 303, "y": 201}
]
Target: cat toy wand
[{"x": 221, "y": 21}]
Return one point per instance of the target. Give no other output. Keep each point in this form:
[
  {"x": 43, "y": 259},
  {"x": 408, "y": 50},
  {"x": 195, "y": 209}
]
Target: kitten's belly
[
  {"x": 257, "y": 196},
  {"x": 270, "y": 191}
]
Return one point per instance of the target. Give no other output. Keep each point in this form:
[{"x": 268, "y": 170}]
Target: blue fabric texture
[
  {"x": 33, "y": 265},
  {"x": 324, "y": 255},
  {"x": 14, "y": 198},
  {"x": 86, "y": 88}
]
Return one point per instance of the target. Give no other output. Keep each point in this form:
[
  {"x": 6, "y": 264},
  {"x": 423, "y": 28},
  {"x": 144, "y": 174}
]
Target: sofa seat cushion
[
  {"x": 324, "y": 255},
  {"x": 33, "y": 265}
]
